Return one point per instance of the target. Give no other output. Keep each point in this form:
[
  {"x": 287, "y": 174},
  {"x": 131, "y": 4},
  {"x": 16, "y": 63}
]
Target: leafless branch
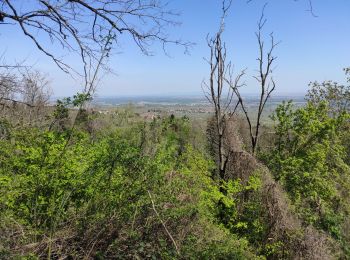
[
  {"x": 163, "y": 224},
  {"x": 82, "y": 26},
  {"x": 266, "y": 83},
  {"x": 310, "y": 3},
  {"x": 219, "y": 91}
]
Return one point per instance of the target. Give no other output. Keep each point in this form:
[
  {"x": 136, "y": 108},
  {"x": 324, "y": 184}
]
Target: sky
[{"x": 311, "y": 49}]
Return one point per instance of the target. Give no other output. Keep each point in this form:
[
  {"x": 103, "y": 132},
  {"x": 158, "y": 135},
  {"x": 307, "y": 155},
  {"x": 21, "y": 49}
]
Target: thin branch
[
  {"x": 81, "y": 26},
  {"x": 163, "y": 224},
  {"x": 266, "y": 83}
]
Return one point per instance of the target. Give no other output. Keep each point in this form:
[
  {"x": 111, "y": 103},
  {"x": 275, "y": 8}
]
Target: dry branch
[
  {"x": 265, "y": 80},
  {"x": 219, "y": 91},
  {"x": 82, "y": 26},
  {"x": 163, "y": 224}
]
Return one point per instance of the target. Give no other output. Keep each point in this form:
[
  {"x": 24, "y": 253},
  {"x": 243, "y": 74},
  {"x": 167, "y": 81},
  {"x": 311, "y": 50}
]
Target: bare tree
[
  {"x": 24, "y": 86},
  {"x": 7, "y": 86},
  {"x": 265, "y": 80},
  {"x": 219, "y": 90},
  {"x": 24, "y": 96},
  {"x": 35, "y": 88},
  {"x": 35, "y": 92},
  {"x": 82, "y": 26}
]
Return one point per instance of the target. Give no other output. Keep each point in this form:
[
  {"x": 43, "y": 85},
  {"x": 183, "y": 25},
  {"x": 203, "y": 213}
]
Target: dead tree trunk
[{"x": 218, "y": 92}]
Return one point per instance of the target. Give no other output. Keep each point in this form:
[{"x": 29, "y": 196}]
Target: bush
[{"x": 67, "y": 195}]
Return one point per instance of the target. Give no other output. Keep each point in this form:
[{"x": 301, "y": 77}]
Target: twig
[{"x": 160, "y": 219}]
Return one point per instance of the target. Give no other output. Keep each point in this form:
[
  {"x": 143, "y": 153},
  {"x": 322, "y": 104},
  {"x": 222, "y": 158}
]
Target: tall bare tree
[
  {"x": 265, "y": 81},
  {"x": 219, "y": 90}
]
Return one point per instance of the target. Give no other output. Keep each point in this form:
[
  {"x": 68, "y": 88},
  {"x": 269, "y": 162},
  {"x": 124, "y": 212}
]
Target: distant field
[{"x": 192, "y": 106}]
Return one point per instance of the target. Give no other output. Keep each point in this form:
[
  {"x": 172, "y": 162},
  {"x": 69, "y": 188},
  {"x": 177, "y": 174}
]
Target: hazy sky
[{"x": 310, "y": 49}]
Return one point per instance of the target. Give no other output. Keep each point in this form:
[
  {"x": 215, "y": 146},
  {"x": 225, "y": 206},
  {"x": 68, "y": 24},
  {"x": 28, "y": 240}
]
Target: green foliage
[
  {"x": 309, "y": 159},
  {"x": 144, "y": 189},
  {"x": 337, "y": 95},
  {"x": 62, "y": 106},
  {"x": 113, "y": 196}
]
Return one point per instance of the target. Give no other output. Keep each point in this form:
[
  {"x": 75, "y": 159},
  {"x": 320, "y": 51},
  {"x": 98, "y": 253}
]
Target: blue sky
[{"x": 310, "y": 49}]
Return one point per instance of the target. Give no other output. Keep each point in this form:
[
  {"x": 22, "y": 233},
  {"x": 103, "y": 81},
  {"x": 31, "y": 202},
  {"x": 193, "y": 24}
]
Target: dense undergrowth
[
  {"x": 141, "y": 191},
  {"x": 120, "y": 187}
]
